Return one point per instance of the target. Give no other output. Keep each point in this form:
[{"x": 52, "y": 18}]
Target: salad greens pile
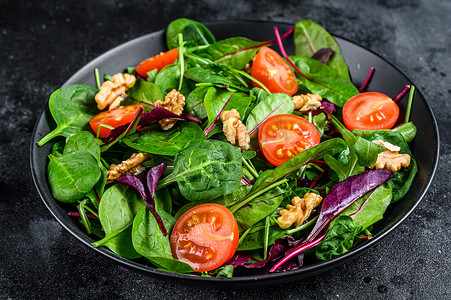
[{"x": 193, "y": 163}]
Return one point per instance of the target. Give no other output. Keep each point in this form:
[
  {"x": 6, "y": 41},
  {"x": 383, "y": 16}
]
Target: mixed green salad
[{"x": 226, "y": 158}]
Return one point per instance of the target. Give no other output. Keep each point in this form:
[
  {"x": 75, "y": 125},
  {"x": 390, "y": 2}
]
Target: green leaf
[
  {"x": 168, "y": 80},
  {"x": 118, "y": 207},
  {"x": 195, "y": 102},
  {"x": 367, "y": 152},
  {"x": 234, "y": 52},
  {"x": 192, "y": 31},
  {"x": 144, "y": 93},
  {"x": 216, "y": 74},
  {"x": 73, "y": 175},
  {"x": 83, "y": 141},
  {"x": 206, "y": 170},
  {"x": 339, "y": 239},
  {"x": 149, "y": 241},
  {"x": 225, "y": 271},
  {"x": 323, "y": 81},
  {"x": 351, "y": 166},
  {"x": 72, "y": 107},
  {"x": 308, "y": 35},
  {"x": 166, "y": 142},
  {"x": 274, "y": 104}
]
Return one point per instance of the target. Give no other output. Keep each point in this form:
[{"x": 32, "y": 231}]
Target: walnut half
[
  {"x": 234, "y": 129},
  {"x": 390, "y": 159},
  {"x": 111, "y": 93},
  {"x": 130, "y": 166},
  {"x": 299, "y": 211},
  {"x": 307, "y": 102},
  {"x": 174, "y": 101}
]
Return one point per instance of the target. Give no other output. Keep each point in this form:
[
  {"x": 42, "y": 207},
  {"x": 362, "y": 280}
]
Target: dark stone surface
[{"x": 41, "y": 45}]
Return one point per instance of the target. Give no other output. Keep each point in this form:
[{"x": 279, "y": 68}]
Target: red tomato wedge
[
  {"x": 271, "y": 70},
  {"x": 281, "y": 137},
  {"x": 114, "y": 118},
  {"x": 157, "y": 62},
  {"x": 370, "y": 111},
  {"x": 205, "y": 237}
]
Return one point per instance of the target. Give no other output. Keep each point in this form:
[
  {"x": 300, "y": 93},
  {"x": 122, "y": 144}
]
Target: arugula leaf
[
  {"x": 309, "y": 37},
  {"x": 72, "y": 107}
]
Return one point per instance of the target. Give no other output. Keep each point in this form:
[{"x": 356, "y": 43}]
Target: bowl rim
[{"x": 274, "y": 278}]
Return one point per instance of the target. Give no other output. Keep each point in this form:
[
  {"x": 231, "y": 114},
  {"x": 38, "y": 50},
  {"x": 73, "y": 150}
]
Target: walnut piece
[
  {"x": 299, "y": 211},
  {"x": 111, "y": 93},
  {"x": 234, "y": 129},
  {"x": 174, "y": 101},
  {"x": 307, "y": 102},
  {"x": 390, "y": 159},
  {"x": 130, "y": 166}
]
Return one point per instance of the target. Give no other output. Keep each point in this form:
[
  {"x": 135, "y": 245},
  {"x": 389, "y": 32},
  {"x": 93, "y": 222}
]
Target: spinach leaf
[
  {"x": 195, "y": 102},
  {"x": 72, "y": 107},
  {"x": 118, "y": 207},
  {"x": 407, "y": 130},
  {"x": 149, "y": 241},
  {"x": 320, "y": 122},
  {"x": 218, "y": 100},
  {"x": 402, "y": 180},
  {"x": 255, "y": 240},
  {"x": 170, "y": 142},
  {"x": 323, "y": 81},
  {"x": 225, "y": 271},
  {"x": 274, "y": 104},
  {"x": 73, "y": 175},
  {"x": 351, "y": 167},
  {"x": 206, "y": 170},
  {"x": 168, "y": 79},
  {"x": 83, "y": 141},
  {"x": 339, "y": 239},
  {"x": 234, "y": 52},
  {"x": 144, "y": 93},
  {"x": 309, "y": 37},
  {"x": 367, "y": 152},
  {"x": 192, "y": 31}
]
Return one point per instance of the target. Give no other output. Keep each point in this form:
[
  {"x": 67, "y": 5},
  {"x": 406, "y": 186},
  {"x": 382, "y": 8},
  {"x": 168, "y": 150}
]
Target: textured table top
[{"x": 42, "y": 45}]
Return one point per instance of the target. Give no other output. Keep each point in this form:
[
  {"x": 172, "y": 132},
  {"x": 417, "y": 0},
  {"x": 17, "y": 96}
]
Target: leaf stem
[
  {"x": 249, "y": 168},
  {"x": 243, "y": 236},
  {"x": 182, "y": 60},
  {"x": 409, "y": 104},
  {"x": 97, "y": 77},
  {"x": 367, "y": 80},
  {"x": 253, "y": 79},
  {"x": 303, "y": 226},
  {"x": 266, "y": 238},
  {"x": 402, "y": 93}
]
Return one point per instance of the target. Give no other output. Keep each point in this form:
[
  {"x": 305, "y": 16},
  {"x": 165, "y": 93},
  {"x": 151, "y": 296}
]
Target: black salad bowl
[{"x": 387, "y": 79}]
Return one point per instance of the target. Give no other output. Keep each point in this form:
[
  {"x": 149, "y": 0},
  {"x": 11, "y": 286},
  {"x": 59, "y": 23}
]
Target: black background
[{"x": 42, "y": 45}]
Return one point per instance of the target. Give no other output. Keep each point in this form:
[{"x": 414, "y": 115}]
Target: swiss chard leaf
[
  {"x": 206, "y": 170},
  {"x": 309, "y": 38},
  {"x": 192, "y": 31},
  {"x": 73, "y": 175},
  {"x": 320, "y": 79},
  {"x": 72, "y": 107},
  {"x": 274, "y": 104},
  {"x": 170, "y": 142}
]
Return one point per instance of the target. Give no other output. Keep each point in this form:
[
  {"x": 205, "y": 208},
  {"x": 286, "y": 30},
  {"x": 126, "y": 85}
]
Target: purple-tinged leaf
[
  {"x": 296, "y": 251},
  {"x": 239, "y": 259},
  {"x": 245, "y": 181},
  {"x": 134, "y": 181},
  {"x": 326, "y": 107},
  {"x": 280, "y": 246},
  {"x": 153, "y": 176},
  {"x": 77, "y": 214},
  {"x": 209, "y": 107},
  {"x": 344, "y": 194},
  {"x": 111, "y": 139},
  {"x": 323, "y": 55}
]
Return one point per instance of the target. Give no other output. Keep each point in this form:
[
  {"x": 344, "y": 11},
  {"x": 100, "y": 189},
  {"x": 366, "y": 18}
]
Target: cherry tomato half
[
  {"x": 281, "y": 137},
  {"x": 157, "y": 62},
  {"x": 370, "y": 111},
  {"x": 118, "y": 116},
  {"x": 205, "y": 237},
  {"x": 271, "y": 70}
]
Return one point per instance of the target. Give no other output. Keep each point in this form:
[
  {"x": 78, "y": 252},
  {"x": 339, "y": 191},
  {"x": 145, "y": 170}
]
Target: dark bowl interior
[{"x": 387, "y": 79}]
